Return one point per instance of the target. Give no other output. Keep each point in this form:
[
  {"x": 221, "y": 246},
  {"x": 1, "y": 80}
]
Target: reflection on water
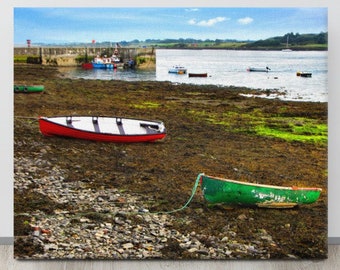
[{"x": 110, "y": 74}]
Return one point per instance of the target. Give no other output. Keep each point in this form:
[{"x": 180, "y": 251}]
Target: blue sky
[{"x": 64, "y": 25}]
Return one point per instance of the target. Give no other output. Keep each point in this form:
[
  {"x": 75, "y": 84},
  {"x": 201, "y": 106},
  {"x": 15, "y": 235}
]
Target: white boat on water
[
  {"x": 254, "y": 69},
  {"x": 178, "y": 70}
]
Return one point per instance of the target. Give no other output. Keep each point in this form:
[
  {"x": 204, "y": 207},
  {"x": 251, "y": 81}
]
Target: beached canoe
[
  {"x": 219, "y": 190},
  {"x": 103, "y": 128},
  {"x": 28, "y": 88}
]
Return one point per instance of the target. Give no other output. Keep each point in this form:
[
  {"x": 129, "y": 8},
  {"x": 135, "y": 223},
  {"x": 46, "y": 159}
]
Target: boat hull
[
  {"x": 178, "y": 70},
  {"x": 252, "y": 69},
  {"x": 87, "y": 65},
  {"x": 28, "y": 88},
  {"x": 304, "y": 74},
  {"x": 219, "y": 190},
  {"x": 203, "y": 75},
  {"x": 101, "y": 128},
  {"x": 103, "y": 66}
]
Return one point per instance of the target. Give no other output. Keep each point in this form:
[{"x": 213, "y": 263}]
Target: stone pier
[{"x": 75, "y": 56}]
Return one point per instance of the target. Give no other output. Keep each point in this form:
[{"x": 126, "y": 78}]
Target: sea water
[{"x": 229, "y": 68}]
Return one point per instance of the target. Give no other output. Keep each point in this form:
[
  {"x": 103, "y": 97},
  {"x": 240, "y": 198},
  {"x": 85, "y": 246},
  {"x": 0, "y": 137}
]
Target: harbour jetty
[{"x": 76, "y": 56}]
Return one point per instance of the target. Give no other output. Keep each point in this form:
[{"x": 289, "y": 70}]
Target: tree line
[
  {"x": 295, "y": 41},
  {"x": 292, "y": 40}
]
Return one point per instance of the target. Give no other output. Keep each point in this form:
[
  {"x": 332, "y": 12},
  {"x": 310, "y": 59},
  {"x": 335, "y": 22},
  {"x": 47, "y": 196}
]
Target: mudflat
[{"x": 210, "y": 129}]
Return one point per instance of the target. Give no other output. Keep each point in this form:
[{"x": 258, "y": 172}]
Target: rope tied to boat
[{"x": 193, "y": 192}]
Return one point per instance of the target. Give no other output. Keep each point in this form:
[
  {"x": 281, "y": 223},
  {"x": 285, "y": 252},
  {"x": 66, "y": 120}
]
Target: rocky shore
[
  {"x": 76, "y": 199},
  {"x": 109, "y": 224}
]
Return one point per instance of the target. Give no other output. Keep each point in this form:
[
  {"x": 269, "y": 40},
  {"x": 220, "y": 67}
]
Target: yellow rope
[{"x": 190, "y": 199}]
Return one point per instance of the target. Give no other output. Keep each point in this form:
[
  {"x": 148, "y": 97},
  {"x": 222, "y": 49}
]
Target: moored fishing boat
[
  {"x": 105, "y": 62},
  {"x": 103, "y": 128},
  {"x": 220, "y": 190},
  {"x": 198, "y": 75},
  {"x": 254, "y": 69},
  {"x": 304, "y": 74},
  {"x": 28, "y": 88},
  {"x": 178, "y": 70},
  {"x": 102, "y": 65}
]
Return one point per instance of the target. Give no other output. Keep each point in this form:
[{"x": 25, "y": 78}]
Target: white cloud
[
  {"x": 207, "y": 23},
  {"x": 192, "y": 22},
  {"x": 245, "y": 20}
]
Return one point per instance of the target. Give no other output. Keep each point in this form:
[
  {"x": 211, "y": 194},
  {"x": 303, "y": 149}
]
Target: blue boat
[
  {"x": 102, "y": 65},
  {"x": 105, "y": 62}
]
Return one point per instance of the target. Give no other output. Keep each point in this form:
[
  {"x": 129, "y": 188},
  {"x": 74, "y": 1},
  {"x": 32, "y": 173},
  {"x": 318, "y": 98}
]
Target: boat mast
[{"x": 287, "y": 41}]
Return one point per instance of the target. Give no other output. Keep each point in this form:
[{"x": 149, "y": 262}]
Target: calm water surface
[{"x": 229, "y": 68}]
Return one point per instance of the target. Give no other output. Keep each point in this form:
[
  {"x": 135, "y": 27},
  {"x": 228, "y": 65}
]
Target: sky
[{"x": 67, "y": 25}]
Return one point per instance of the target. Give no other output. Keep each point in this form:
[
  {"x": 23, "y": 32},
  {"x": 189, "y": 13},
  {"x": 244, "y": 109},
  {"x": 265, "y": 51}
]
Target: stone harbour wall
[{"x": 75, "y": 56}]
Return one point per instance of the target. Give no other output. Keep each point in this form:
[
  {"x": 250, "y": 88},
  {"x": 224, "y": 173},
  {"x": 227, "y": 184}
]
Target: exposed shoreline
[{"x": 210, "y": 129}]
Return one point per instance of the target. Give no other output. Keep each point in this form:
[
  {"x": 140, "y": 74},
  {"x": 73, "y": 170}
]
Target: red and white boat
[{"x": 103, "y": 128}]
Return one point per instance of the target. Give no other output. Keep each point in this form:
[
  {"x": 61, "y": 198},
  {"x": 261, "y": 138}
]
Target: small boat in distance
[
  {"x": 28, "y": 88},
  {"x": 254, "y": 69},
  {"x": 198, "y": 75},
  {"x": 219, "y": 190},
  {"x": 103, "y": 128},
  {"x": 304, "y": 74},
  {"x": 178, "y": 70}
]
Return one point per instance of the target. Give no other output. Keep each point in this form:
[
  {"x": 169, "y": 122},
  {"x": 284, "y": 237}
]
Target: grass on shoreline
[{"x": 290, "y": 129}]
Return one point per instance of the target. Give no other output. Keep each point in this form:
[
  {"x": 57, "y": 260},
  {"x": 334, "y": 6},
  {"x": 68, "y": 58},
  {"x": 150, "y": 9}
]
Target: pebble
[{"x": 118, "y": 226}]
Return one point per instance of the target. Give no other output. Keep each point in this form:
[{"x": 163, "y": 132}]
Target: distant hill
[{"x": 295, "y": 41}]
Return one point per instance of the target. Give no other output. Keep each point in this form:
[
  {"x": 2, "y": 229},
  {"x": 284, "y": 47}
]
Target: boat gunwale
[
  {"x": 33, "y": 88},
  {"x": 29, "y": 85},
  {"x": 262, "y": 185},
  {"x": 46, "y": 119}
]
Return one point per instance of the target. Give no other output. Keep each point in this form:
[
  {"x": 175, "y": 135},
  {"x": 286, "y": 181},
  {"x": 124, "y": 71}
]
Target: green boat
[
  {"x": 28, "y": 88},
  {"x": 218, "y": 190}
]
